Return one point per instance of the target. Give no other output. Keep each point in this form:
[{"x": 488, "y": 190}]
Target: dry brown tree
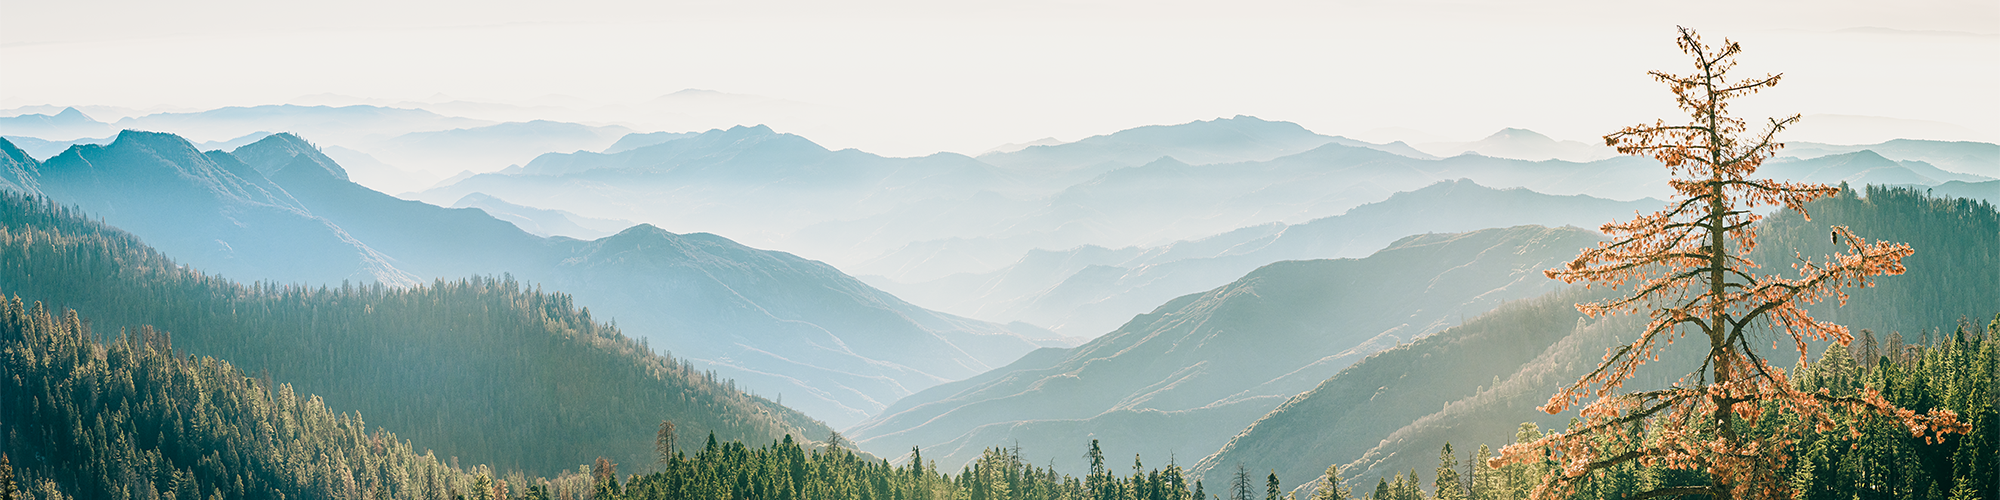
[{"x": 1687, "y": 268}]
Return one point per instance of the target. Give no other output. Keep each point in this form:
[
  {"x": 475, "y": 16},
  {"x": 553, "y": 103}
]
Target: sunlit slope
[
  {"x": 1475, "y": 383},
  {"x": 1182, "y": 378},
  {"x": 166, "y": 424},
  {"x": 484, "y": 369}
]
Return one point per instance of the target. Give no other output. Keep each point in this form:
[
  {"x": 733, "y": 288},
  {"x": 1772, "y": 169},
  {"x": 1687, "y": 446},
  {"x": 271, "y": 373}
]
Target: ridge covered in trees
[
  {"x": 1855, "y": 458},
  {"x": 485, "y": 369}
]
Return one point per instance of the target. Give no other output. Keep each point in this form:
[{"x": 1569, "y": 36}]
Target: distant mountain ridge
[
  {"x": 1093, "y": 289},
  {"x": 63, "y": 125},
  {"x": 543, "y": 222},
  {"x": 1522, "y": 144}
]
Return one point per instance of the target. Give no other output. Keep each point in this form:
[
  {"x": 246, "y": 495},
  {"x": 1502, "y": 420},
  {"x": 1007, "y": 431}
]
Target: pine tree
[
  {"x": 1689, "y": 270},
  {"x": 1485, "y": 485},
  {"x": 1100, "y": 482},
  {"x": 1412, "y": 488},
  {"x": 7, "y": 489},
  {"x": 1329, "y": 486},
  {"x": 1447, "y": 486},
  {"x": 1271, "y": 486}
]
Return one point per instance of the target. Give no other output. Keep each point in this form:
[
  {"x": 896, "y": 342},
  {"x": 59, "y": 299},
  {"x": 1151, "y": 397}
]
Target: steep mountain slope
[
  {"x": 18, "y": 170},
  {"x": 209, "y": 208},
  {"x": 484, "y": 369},
  {"x": 777, "y": 323},
  {"x": 425, "y": 240},
  {"x": 1092, "y": 289},
  {"x": 1472, "y": 384},
  {"x": 1172, "y": 380}
]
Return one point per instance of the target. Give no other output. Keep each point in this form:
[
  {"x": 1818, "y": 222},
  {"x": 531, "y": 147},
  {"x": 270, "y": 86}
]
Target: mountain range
[
  {"x": 279, "y": 210},
  {"x": 1093, "y": 289},
  {"x": 1179, "y": 379},
  {"x": 1159, "y": 290}
]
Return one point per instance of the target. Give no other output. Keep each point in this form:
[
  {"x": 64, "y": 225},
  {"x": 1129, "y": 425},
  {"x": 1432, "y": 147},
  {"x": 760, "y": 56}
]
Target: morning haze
[{"x": 983, "y": 251}]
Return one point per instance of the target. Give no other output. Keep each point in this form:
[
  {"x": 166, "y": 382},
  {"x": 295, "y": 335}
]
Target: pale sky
[{"x": 915, "y": 77}]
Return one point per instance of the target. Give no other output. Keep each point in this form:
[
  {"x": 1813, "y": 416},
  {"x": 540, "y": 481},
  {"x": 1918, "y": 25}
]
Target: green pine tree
[{"x": 1448, "y": 486}]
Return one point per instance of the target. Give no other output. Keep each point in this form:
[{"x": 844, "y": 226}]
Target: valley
[{"x": 1220, "y": 296}]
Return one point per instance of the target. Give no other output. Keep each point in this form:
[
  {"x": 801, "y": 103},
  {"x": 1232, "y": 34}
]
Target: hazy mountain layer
[
  {"x": 1976, "y": 158},
  {"x": 1473, "y": 384},
  {"x": 1862, "y": 168},
  {"x": 637, "y": 140},
  {"x": 543, "y": 222},
  {"x": 64, "y": 125},
  {"x": 1521, "y": 144},
  {"x": 1222, "y": 140},
  {"x": 1169, "y": 200},
  {"x": 919, "y": 219},
  {"x": 339, "y": 125},
  {"x": 1090, "y": 289},
  {"x": 1989, "y": 190},
  {"x": 751, "y": 181},
  {"x": 491, "y": 147},
  {"x": 1181, "y": 378}
]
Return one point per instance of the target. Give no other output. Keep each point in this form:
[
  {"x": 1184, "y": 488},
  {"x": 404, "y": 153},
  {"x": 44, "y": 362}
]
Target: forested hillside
[
  {"x": 134, "y": 418},
  {"x": 1475, "y": 383},
  {"x": 1871, "y": 458},
  {"x": 486, "y": 369}
]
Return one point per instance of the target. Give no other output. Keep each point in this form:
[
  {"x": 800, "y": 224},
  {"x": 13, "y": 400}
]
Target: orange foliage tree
[{"x": 1687, "y": 269}]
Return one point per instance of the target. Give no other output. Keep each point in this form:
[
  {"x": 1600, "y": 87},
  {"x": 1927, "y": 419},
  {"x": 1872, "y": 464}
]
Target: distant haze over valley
[
  {"x": 1023, "y": 250},
  {"x": 1216, "y": 281}
]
